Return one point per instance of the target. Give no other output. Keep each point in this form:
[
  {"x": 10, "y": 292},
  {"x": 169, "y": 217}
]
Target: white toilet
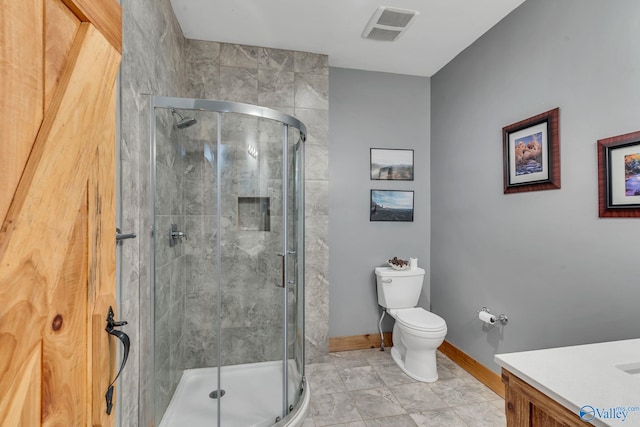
[{"x": 417, "y": 333}]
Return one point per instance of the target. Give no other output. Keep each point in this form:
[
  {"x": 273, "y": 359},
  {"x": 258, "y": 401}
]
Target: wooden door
[{"x": 58, "y": 66}]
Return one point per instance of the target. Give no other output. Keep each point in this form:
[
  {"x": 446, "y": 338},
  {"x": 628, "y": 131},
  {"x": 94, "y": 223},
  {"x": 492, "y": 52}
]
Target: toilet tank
[{"x": 399, "y": 289}]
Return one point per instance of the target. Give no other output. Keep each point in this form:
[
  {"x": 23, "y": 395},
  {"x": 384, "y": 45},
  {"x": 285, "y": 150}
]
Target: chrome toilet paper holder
[{"x": 502, "y": 318}]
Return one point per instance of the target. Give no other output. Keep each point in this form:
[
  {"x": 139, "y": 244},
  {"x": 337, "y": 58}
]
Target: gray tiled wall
[
  {"x": 295, "y": 83},
  {"x": 152, "y": 63},
  {"x": 170, "y": 261},
  {"x": 158, "y": 60}
]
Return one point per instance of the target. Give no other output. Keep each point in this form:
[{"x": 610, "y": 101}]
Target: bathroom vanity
[{"x": 592, "y": 384}]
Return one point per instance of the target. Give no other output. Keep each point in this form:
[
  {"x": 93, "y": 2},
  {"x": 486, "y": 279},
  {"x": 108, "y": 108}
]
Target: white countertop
[{"x": 583, "y": 375}]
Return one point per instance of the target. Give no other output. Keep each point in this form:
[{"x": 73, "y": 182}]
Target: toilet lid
[{"x": 423, "y": 320}]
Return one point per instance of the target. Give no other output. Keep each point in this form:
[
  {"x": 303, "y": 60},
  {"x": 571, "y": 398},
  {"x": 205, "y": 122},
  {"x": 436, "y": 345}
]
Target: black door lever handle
[{"x": 124, "y": 338}]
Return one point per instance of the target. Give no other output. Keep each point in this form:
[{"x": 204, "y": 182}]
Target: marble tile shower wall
[
  {"x": 152, "y": 63},
  {"x": 157, "y": 60},
  {"x": 170, "y": 261},
  {"x": 297, "y": 84}
]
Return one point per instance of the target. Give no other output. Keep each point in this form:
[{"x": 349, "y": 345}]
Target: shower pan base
[{"x": 251, "y": 399}]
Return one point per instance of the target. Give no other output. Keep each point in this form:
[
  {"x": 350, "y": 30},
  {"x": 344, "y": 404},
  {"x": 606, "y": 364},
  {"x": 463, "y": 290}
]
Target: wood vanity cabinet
[{"x": 526, "y": 406}]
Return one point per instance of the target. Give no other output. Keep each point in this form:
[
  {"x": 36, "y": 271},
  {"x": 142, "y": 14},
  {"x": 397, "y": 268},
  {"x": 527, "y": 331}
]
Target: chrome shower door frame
[{"x": 292, "y": 249}]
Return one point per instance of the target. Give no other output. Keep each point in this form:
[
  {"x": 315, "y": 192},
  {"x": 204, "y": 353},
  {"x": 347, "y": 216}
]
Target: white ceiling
[{"x": 443, "y": 29}]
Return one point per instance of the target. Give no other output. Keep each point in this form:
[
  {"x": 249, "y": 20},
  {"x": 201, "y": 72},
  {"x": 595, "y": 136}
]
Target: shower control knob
[
  {"x": 178, "y": 235},
  {"x": 174, "y": 235}
]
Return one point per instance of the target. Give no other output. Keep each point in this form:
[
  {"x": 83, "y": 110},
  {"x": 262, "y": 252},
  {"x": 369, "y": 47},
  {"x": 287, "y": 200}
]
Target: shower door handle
[
  {"x": 284, "y": 260},
  {"x": 289, "y": 282}
]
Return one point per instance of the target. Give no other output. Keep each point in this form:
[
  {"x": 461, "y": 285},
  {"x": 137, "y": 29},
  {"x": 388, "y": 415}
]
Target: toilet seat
[{"x": 420, "y": 319}]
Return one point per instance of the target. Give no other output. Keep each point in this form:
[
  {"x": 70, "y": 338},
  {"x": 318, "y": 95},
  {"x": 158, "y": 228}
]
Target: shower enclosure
[{"x": 228, "y": 273}]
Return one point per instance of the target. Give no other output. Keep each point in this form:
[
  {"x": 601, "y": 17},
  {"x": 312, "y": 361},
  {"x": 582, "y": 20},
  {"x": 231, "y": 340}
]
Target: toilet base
[{"x": 395, "y": 354}]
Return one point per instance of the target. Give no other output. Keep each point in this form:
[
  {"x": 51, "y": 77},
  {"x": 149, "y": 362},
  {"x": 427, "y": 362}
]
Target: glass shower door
[
  {"x": 251, "y": 316},
  {"x": 227, "y": 181},
  {"x": 295, "y": 265}
]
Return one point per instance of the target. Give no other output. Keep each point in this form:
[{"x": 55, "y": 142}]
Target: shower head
[{"x": 182, "y": 121}]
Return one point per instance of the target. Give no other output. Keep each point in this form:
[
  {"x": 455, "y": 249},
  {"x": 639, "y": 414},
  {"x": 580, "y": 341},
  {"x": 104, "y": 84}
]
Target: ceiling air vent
[{"x": 388, "y": 23}]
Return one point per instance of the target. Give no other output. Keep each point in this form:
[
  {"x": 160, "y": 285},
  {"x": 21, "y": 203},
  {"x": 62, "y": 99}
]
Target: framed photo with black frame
[
  {"x": 391, "y": 164},
  {"x": 391, "y": 205}
]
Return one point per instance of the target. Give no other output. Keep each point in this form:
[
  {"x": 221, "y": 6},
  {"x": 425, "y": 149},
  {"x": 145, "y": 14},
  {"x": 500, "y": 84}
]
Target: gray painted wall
[
  {"x": 372, "y": 110},
  {"x": 561, "y": 274}
]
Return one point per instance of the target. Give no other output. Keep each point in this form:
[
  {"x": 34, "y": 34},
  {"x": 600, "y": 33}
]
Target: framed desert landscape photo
[
  {"x": 619, "y": 176},
  {"x": 531, "y": 153},
  {"x": 391, "y": 164},
  {"x": 391, "y": 205}
]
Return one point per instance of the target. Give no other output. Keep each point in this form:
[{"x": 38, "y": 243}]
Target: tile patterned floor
[{"x": 365, "y": 388}]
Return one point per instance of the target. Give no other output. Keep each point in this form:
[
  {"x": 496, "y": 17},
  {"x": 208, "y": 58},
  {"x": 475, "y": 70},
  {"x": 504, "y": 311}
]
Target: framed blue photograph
[{"x": 391, "y": 205}]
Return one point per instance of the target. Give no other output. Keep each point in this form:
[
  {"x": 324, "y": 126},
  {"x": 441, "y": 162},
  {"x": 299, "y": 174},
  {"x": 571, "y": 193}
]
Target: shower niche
[
  {"x": 254, "y": 213},
  {"x": 228, "y": 313}
]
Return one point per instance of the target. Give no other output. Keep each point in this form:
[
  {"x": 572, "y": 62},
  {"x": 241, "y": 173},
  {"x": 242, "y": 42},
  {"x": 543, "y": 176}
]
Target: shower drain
[{"x": 214, "y": 394}]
